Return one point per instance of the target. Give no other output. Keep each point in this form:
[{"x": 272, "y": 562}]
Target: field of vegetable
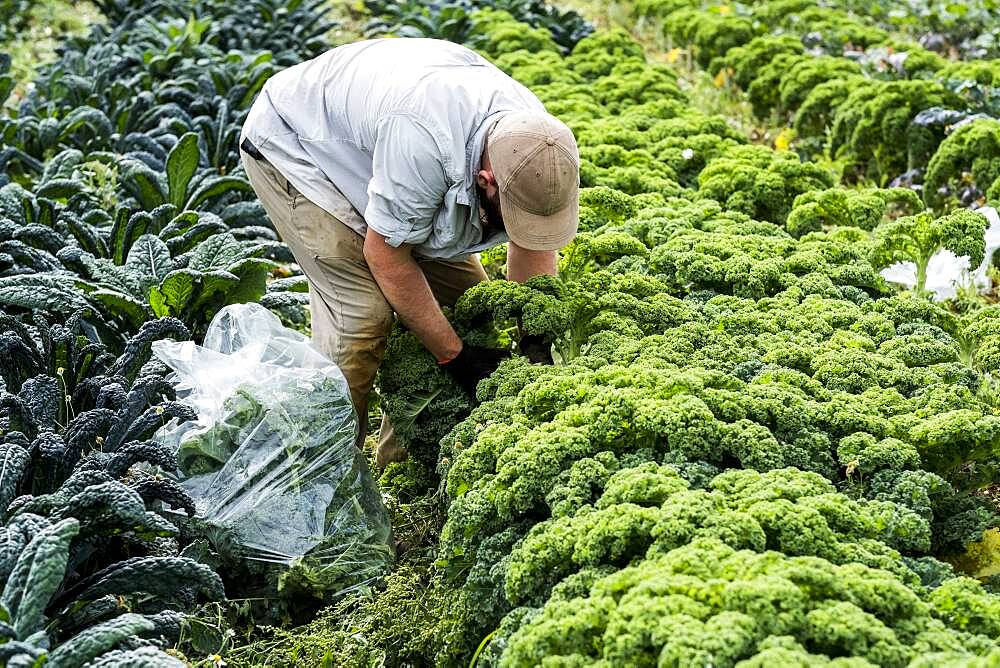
[{"x": 752, "y": 449}]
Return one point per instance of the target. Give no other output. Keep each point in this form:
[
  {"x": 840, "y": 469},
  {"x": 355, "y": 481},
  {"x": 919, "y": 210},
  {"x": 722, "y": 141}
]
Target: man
[{"x": 386, "y": 166}]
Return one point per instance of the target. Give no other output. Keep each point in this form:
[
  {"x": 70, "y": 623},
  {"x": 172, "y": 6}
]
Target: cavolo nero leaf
[
  {"x": 144, "y": 184},
  {"x": 174, "y": 292},
  {"x": 217, "y": 252},
  {"x": 14, "y": 462},
  {"x": 45, "y": 574},
  {"x": 179, "y": 224},
  {"x": 204, "y": 229},
  {"x": 48, "y": 292},
  {"x": 252, "y": 274},
  {"x": 96, "y": 640},
  {"x": 121, "y": 305},
  {"x": 217, "y": 281},
  {"x": 117, "y": 242},
  {"x": 216, "y": 186},
  {"x": 95, "y": 119},
  {"x": 138, "y": 224},
  {"x": 108, "y": 275},
  {"x": 60, "y": 188},
  {"x": 150, "y": 258},
  {"x": 182, "y": 163}
]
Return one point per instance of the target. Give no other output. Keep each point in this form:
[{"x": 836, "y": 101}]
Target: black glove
[
  {"x": 536, "y": 348},
  {"x": 473, "y": 364}
]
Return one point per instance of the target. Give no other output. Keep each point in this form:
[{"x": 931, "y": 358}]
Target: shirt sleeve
[{"x": 409, "y": 181}]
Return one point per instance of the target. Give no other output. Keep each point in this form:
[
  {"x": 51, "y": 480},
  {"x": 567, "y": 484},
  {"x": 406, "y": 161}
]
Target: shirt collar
[{"x": 474, "y": 147}]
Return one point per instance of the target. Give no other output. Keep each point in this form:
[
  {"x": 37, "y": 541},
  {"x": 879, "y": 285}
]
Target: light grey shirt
[{"x": 395, "y": 126}]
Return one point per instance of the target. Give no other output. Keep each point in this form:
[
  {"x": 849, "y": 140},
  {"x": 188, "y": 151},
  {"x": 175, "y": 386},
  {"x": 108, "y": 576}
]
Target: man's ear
[{"x": 484, "y": 178}]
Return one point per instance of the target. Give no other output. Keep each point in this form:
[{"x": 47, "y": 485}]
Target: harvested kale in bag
[{"x": 285, "y": 501}]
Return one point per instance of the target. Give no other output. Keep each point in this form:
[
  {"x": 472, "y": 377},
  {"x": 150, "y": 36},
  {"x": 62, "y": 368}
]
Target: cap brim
[{"x": 531, "y": 231}]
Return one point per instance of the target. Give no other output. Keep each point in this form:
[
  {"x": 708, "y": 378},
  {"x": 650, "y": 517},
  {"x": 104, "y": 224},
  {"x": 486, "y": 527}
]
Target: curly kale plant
[
  {"x": 972, "y": 151},
  {"x": 875, "y": 121},
  {"x": 765, "y": 608},
  {"x": 760, "y": 182},
  {"x": 459, "y": 20},
  {"x": 421, "y": 402},
  {"x": 814, "y": 210}
]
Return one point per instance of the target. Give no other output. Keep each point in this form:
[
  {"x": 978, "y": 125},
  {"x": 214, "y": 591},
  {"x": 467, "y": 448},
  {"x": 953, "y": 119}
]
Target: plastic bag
[{"x": 283, "y": 496}]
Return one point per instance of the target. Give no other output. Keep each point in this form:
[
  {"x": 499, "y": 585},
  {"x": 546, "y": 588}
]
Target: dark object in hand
[
  {"x": 536, "y": 348},
  {"x": 473, "y": 364}
]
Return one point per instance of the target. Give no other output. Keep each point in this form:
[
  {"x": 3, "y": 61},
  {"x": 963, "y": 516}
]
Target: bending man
[{"x": 386, "y": 166}]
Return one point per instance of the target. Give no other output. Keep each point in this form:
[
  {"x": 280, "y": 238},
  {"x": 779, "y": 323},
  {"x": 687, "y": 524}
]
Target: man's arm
[
  {"x": 405, "y": 287},
  {"x": 408, "y": 185},
  {"x": 522, "y": 264}
]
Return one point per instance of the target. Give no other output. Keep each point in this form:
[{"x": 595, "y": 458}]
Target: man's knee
[{"x": 358, "y": 350}]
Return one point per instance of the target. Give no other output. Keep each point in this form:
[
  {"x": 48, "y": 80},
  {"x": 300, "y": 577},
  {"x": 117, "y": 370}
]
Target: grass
[{"x": 33, "y": 43}]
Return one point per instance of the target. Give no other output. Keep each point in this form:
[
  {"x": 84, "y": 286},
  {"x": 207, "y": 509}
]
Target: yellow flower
[{"x": 784, "y": 139}]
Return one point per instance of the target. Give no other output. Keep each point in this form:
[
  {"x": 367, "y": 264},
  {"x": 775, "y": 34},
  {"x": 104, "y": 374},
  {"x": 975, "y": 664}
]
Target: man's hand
[
  {"x": 536, "y": 348},
  {"x": 473, "y": 364},
  {"x": 405, "y": 287}
]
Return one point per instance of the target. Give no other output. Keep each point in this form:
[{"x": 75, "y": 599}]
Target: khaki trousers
[{"x": 351, "y": 318}]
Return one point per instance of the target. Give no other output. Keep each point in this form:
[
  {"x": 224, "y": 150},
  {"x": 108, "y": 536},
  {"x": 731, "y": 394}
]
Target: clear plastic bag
[{"x": 283, "y": 497}]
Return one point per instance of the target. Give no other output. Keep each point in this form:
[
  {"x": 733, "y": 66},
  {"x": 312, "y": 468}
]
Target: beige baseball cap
[{"x": 537, "y": 167}]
